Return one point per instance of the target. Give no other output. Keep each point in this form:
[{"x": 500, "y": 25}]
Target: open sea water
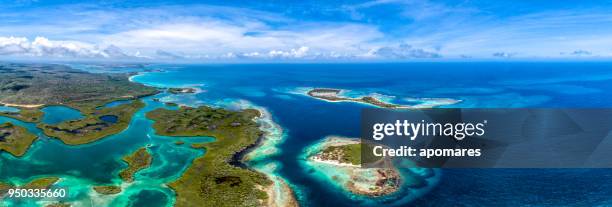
[{"x": 305, "y": 121}]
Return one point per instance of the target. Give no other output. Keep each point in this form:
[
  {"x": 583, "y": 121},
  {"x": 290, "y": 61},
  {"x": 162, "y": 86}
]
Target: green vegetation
[
  {"x": 60, "y": 204},
  {"x": 107, "y": 189},
  {"x": 376, "y": 102},
  {"x": 92, "y": 127},
  {"x": 44, "y": 84},
  {"x": 39, "y": 183},
  {"x": 136, "y": 161},
  {"x": 350, "y": 153},
  {"x": 31, "y": 86},
  {"x": 332, "y": 94},
  {"x": 31, "y": 115},
  {"x": 15, "y": 139},
  {"x": 211, "y": 180},
  {"x": 4, "y": 187},
  {"x": 181, "y": 90}
]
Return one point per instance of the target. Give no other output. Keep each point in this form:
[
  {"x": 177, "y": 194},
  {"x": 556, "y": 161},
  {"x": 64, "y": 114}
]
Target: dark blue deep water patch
[
  {"x": 59, "y": 114},
  {"x": 518, "y": 187},
  {"x": 109, "y": 118}
]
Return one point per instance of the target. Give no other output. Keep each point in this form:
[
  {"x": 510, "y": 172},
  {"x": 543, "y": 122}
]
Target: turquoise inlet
[
  {"x": 59, "y": 114},
  {"x": 8, "y": 109}
]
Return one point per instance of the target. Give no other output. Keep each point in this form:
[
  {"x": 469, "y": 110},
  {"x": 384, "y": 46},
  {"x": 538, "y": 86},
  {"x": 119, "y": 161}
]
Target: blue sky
[{"x": 305, "y": 30}]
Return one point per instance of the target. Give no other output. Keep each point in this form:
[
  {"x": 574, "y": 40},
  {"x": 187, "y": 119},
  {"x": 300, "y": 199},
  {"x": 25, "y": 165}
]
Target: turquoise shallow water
[
  {"x": 81, "y": 167},
  {"x": 305, "y": 121},
  {"x": 59, "y": 114},
  {"x": 8, "y": 109}
]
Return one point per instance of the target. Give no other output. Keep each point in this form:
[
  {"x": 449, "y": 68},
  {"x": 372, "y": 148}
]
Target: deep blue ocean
[
  {"x": 492, "y": 85},
  {"x": 306, "y": 121}
]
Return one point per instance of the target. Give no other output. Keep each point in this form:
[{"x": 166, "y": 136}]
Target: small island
[
  {"x": 182, "y": 90},
  {"x": 211, "y": 180},
  {"x": 335, "y": 95},
  {"x": 14, "y": 139},
  {"x": 339, "y": 160},
  {"x": 59, "y": 204},
  {"x": 38, "y": 183},
  {"x": 107, "y": 189},
  {"x": 136, "y": 161}
]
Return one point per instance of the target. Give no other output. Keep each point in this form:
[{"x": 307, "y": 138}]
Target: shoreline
[
  {"x": 334, "y": 95},
  {"x": 275, "y": 199},
  {"x": 351, "y": 178},
  {"x": 21, "y": 105},
  {"x": 239, "y": 158},
  {"x": 332, "y": 162},
  {"x": 279, "y": 192}
]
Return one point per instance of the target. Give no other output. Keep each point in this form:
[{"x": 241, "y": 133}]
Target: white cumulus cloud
[
  {"x": 293, "y": 53},
  {"x": 401, "y": 51},
  {"x": 43, "y": 47}
]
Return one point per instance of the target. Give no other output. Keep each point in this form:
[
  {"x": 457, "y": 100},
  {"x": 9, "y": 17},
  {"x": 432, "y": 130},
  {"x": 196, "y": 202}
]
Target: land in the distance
[
  {"x": 335, "y": 95},
  {"x": 14, "y": 139},
  {"x": 211, "y": 180},
  {"x": 182, "y": 90},
  {"x": 30, "y": 87}
]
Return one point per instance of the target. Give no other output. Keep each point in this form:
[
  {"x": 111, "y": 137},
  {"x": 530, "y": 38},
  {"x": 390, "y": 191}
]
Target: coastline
[
  {"x": 135, "y": 74},
  {"x": 332, "y": 162},
  {"x": 279, "y": 192},
  {"x": 335, "y": 95},
  {"x": 413, "y": 183},
  {"x": 21, "y": 105},
  {"x": 352, "y": 179}
]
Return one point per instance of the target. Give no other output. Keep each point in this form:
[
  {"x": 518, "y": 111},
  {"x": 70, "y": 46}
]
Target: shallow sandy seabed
[
  {"x": 388, "y": 99},
  {"x": 339, "y": 175}
]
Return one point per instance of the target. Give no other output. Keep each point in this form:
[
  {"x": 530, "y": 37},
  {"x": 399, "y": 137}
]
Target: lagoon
[
  {"x": 59, "y": 114},
  {"x": 8, "y": 109}
]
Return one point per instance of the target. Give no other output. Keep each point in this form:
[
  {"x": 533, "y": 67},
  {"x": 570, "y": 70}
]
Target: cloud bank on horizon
[{"x": 305, "y": 30}]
